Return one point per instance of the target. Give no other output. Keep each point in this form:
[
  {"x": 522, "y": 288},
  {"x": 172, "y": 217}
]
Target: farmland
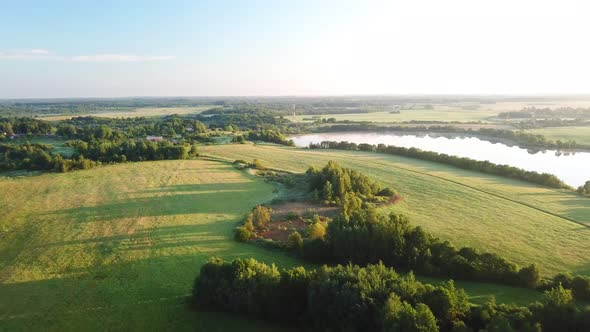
[
  {"x": 118, "y": 247},
  {"x": 545, "y": 226}
]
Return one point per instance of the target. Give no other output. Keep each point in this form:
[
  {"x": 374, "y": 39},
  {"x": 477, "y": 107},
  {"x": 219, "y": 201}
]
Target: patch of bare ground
[{"x": 302, "y": 208}]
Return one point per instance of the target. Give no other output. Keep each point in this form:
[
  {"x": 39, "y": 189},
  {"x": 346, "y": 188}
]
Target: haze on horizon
[{"x": 252, "y": 48}]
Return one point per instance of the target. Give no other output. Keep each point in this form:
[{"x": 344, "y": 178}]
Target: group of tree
[
  {"x": 579, "y": 285},
  {"x": 270, "y": 135},
  {"x": 24, "y": 126},
  {"x": 543, "y": 179},
  {"x": 93, "y": 128},
  {"x": 371, "y": 298},
  {"x": 365, "y": 236},
  {"x": 257, "y": 219},
  {"x": 334, "y": 184},
  {"x": 38, "y": 157},
  {"x": 244, "y": 116},
  {"x": 132, "y": 150}
]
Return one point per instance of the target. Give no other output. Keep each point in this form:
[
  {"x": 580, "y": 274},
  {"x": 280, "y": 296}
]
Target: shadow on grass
[
  {"x": 145, "y": 295},
  {"x": 175, "y": 200}
]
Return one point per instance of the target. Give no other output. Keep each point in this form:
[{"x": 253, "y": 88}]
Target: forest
[{"x": 371, "y": 298}]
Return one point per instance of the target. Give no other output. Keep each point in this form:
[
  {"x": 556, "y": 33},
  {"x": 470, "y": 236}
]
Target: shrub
[
  {"x": 242, "y": 234},
  {"x": 316, "y": 231},
  {"x": 257, "y": 164},
  {"x": 295, "y": 241},
  {"x": 261, "y": 216},
  {"x": 249, "y": 225},
  {"x": 292, "y": 215}
]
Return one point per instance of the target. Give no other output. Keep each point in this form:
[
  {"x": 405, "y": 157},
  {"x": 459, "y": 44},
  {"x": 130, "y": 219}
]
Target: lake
[{"x": 571, "y": 167}]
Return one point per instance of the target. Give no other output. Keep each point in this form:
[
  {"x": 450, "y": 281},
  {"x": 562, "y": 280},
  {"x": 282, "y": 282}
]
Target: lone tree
[{"x": 260, "y": 216}]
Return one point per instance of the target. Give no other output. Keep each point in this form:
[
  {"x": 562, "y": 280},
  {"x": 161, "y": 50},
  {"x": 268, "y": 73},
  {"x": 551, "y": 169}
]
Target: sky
[{"x": 56, "y": 49}]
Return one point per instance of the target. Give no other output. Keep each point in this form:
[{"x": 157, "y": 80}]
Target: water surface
[{"x": 571, "y": 167}]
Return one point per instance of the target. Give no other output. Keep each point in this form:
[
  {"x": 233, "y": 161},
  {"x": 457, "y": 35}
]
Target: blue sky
[{"x": 172, "y": 48}]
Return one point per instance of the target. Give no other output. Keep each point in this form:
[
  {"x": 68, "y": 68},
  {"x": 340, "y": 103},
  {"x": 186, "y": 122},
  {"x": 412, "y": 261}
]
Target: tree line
[
  {"x": 371, "y": 298},
  {"x": 365, "y": 236},
  {"x": 38, "y": 157},
  {"x": 543, "y": 179}
]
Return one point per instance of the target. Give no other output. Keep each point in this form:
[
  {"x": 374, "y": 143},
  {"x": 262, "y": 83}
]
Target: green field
[
  {"x": 134, "y": 113},
  {"x": 522, "y": 222},
  {"x": 579, "y": 134},
  {"x": 118, "y": 247},
  {"x": 439, "y": 114}
]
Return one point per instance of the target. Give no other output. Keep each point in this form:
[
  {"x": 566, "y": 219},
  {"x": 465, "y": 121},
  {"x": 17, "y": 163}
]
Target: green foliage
[
  {"x": 400, "y": 316},
  {"x": 558, "y": 296},
  {"x": 261, "y": 216},
  {"x": 579, "y": 285},
  {"x": 295, "y": 241},
  {"x": 292, "y": 215},
  {"x": 337, "y": 184},
  {"x": 242, "y": 234},
  {"x": 316, "y": 231},
  {"x": 371, "y": 298},
  {"x": 248, "y": 224},
  {"x": 363, "y": 236},
  {"x": 38, "y": 157},
  {"x": 269, "y": 135}
]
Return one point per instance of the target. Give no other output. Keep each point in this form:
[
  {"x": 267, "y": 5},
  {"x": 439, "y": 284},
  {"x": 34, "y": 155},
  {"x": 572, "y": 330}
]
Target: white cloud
[
  {"x": 24, "y": 54},
  {"x": 41, "y": 54},
  {"x": 118, "y": 58}
]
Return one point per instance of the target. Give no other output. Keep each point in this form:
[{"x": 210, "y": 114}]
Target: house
[{"x": 154, "y": 138}]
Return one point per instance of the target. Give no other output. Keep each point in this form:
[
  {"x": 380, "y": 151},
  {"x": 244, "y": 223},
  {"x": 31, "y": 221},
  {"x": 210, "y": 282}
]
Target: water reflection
[{"x": 572, "y": 167}]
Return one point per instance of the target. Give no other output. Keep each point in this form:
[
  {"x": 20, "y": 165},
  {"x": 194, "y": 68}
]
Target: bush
[
  {"x": 257, "y": 164},
  {"x": 295, "y": 241},
  {"x": 316, "y": 231},
  {"x": 261, "y": 216},
  {"x": 292, "y": 215},
  {"x": 242, "y": 234},
  {"x": 248, "y": 225}
]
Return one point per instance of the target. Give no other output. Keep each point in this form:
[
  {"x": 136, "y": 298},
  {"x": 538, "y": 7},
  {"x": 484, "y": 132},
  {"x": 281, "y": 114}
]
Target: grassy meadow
[
  {"x": 520, "y": 221},
  {"x": 118, "y": 247}
]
